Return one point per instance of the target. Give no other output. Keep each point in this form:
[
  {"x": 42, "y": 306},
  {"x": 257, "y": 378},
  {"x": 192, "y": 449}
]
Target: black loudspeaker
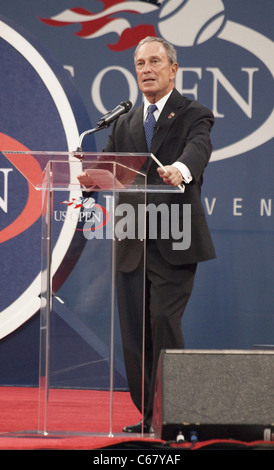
[{"x": 204, "y": 394}]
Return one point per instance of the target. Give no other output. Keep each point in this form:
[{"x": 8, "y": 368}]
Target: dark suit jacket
[{"x": 182, "y": 134}]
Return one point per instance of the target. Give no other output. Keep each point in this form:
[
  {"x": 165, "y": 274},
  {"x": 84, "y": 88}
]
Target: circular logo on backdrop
[{"x": 41, "y": 111}]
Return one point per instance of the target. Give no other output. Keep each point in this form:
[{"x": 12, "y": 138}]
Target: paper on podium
[{"x": 99, "y": 178}]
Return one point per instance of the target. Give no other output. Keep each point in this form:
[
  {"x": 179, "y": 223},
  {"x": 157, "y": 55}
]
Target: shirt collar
[{"x": 160, "y": 105}]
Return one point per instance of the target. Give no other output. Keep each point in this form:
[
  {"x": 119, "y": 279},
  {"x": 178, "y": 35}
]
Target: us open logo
[
  {"x": 91, "y": 213},
  {"x": 185, "y": 24}
]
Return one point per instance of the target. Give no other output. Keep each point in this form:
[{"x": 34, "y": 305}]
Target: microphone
[
  {"x": 111, "y": 116},
  {"x": 104, "y": 122}
]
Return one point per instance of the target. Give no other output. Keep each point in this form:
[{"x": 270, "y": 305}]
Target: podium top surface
[{"x": 98, "y": 171}]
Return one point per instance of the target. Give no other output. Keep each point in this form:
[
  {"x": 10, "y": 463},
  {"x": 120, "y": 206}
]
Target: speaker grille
[{"x": 214, "y": 392}]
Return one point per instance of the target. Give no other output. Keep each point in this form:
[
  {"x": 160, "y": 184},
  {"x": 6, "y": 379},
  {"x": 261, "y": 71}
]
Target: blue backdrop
[{"x": 63, "y": 65}]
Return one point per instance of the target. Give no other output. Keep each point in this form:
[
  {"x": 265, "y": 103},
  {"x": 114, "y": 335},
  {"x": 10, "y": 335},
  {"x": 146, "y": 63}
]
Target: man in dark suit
[{"x": 181, "y": 142}]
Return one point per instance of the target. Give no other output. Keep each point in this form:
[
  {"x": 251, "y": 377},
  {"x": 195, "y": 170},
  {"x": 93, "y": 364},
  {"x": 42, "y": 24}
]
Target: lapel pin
[{"x": 171, "y": 115}]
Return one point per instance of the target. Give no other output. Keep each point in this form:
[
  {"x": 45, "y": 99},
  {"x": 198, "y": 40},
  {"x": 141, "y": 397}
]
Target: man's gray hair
[{"x": 170, "y": 50}]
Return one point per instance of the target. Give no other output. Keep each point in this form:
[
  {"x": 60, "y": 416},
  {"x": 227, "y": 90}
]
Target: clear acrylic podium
[{"x": 80, "y": 347}]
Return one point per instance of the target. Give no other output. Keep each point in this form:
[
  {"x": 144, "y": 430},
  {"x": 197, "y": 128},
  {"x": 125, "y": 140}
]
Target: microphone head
[
  {"x": 127, "y": 105},
  {"x": 122, "y": 108}
]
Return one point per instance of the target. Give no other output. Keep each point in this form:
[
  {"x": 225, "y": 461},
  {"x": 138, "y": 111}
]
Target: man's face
[{"x": 155, "y": 73}]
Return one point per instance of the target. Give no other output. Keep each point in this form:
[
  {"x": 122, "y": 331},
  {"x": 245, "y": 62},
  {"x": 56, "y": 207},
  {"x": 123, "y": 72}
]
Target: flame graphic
[{"x": 94, "y": 25}]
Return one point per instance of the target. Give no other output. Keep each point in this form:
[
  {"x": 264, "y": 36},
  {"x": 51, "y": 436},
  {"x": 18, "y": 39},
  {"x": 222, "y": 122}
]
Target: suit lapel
[
  {"x": 170, "y": 112},
  {"x": 137, "y": 130}
]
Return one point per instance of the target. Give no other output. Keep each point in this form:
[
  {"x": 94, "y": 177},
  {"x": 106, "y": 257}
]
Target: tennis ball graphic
[
  {"x": 190, "y": 22},
  {"x": 89, "y": 203}
]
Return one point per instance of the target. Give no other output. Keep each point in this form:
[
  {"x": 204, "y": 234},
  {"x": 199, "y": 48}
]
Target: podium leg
[{"x": 46, "y": 302}]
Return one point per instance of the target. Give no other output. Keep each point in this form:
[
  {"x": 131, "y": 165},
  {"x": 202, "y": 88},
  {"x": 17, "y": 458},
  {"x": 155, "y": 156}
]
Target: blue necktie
[{"x": 149, "y": 124}]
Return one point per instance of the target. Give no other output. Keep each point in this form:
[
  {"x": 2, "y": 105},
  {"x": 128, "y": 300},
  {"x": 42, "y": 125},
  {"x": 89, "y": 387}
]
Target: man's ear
[{"x": 174, "y": 69}]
